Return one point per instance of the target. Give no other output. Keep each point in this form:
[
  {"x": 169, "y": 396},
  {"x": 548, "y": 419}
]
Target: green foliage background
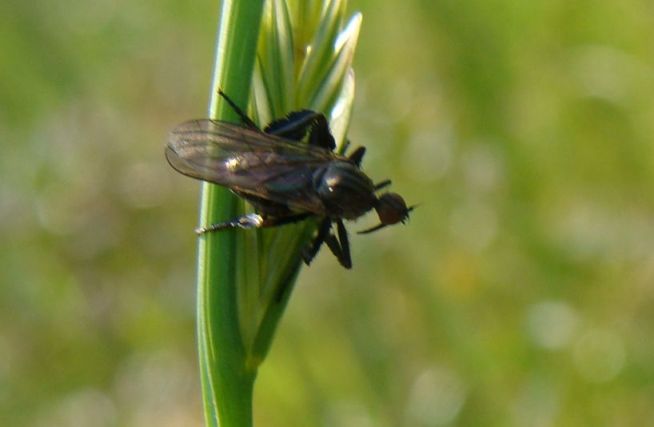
[{"x": 520, "y": 294}]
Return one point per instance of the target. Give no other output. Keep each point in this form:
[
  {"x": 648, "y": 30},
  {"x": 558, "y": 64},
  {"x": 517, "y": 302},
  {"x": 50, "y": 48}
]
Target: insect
[{"x": 285, "y": 179}]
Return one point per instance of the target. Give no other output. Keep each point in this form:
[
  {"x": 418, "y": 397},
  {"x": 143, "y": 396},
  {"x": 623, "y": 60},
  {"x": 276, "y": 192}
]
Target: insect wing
[{"x": 248, "y": 161}]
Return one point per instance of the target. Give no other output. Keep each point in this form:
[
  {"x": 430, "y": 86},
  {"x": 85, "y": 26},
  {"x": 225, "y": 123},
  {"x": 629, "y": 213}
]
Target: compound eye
[{"x": 391, "y": 209}]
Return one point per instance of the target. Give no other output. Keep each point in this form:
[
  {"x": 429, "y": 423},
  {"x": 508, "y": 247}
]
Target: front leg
[
  {"x": 310, "y": 251},
  {"x": 340, "y": 246},
  {"x": 345, "y": 259},
  {"x": 337, "y": 250}
]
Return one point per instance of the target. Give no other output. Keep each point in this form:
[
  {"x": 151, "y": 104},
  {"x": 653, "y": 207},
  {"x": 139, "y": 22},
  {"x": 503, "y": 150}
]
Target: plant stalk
[{"x": 227, "y": 381}]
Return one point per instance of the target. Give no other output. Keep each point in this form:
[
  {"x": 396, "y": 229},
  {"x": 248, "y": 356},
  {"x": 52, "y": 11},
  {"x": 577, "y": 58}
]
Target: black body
[{"x": 286, "y": 180}]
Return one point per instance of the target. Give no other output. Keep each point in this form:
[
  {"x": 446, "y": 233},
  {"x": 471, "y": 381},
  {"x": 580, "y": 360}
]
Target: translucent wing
[{"x": 249, "y": 161}]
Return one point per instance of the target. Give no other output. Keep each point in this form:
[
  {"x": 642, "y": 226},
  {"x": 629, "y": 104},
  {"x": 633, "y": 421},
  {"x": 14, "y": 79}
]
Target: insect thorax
[{"x": 345, "y": 190}]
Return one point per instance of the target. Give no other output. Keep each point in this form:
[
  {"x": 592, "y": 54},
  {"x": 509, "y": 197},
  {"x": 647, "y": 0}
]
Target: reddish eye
[{"x": 391, "y": 209}]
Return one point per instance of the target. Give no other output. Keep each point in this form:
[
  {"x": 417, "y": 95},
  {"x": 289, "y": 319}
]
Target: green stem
[{"x": 227, "y": 380}]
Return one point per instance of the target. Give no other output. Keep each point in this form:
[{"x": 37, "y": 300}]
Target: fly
[{"x": 286, "y": 180}]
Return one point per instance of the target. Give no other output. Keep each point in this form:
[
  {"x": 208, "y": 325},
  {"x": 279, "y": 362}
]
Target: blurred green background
[{"x": 521, "y": 293}]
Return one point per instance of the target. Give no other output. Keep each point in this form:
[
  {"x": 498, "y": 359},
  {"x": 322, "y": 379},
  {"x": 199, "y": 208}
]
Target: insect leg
[
  {"x": 243, "y": 221},
  {"x": 357, "y": 155},
  {"x": 283, "y": 220},
  {"x": 294, "y": 126},
  {"x": 346, "y": 260},
  {"x": 321, "y": 135},
  {"x": 341, "y": 250},
  {"x": 335, "y": 247},
  {"x": 252, "y": 220},
  {"x": 383, "y": 184},
  {"x": 310, "y": 251},
  {"x": 241, "y": 114}
]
